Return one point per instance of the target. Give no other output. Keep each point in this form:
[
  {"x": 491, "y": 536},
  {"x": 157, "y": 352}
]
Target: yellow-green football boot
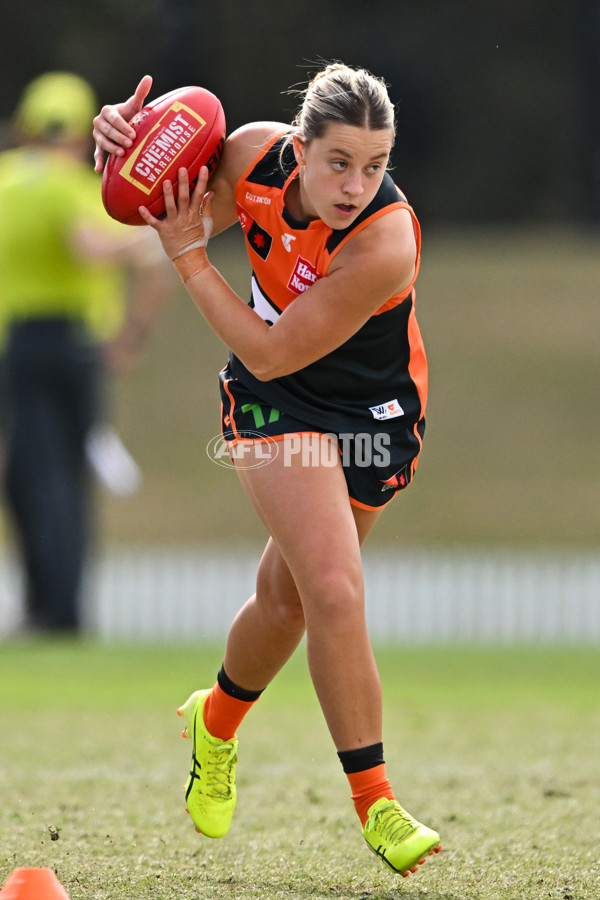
[
  {"x": 399, "y": 840},
  {"x": 210, "y": 791}
]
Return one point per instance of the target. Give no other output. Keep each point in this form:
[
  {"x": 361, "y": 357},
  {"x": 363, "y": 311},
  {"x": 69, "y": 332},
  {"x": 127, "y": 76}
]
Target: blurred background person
[{"x": 66, "y": 272}]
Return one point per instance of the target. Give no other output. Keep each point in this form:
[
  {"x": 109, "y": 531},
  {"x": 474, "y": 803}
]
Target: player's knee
[
  {"x": 280, "y": 601},
  {"x": 337, "y": 599},
  {"x": 289, "y": 615}
]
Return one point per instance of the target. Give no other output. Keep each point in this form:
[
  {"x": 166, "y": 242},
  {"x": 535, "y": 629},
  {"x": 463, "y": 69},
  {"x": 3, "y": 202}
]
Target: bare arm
[
  {"x": 376, "y": 263},
  {"x": 239, "y": 152},
  {"x": 134, "y": 246},
  {"x": 152, "y": 289},
  {"x": 151, "y": 281}
]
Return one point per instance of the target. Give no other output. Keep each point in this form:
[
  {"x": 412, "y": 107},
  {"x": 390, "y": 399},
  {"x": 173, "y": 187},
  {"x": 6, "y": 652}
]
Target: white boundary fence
[{"x": 413, "y": 596}]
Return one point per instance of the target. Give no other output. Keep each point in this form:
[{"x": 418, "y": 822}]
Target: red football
[{"x": 185, "y": 127}]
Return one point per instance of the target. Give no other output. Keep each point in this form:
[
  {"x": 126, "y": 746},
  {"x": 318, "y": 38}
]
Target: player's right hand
[{"x": 111, "y": 132}]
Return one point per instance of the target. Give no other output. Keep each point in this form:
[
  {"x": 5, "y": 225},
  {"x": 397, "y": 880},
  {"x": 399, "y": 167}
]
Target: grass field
[
  {"x": 511, "y": 322},
  {"x": 497, "y": 749}
]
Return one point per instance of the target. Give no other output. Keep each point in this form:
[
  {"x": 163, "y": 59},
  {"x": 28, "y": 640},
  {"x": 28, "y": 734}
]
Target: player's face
[{"x": 341, "y": 172}]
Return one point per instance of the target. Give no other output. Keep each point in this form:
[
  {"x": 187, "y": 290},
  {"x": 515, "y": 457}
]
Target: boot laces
[
  {"x": 220, "y": 770},
  {"x": 392, "y": 822}
]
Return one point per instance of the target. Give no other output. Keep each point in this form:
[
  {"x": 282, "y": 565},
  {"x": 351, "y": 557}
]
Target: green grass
[{"x": 496, "y": 748}]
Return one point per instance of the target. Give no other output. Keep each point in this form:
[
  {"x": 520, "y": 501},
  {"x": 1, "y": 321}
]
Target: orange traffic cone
[{"x": 33, "y": 884}]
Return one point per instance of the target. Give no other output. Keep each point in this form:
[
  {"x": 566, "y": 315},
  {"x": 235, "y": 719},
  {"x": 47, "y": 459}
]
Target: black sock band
[
  {"x": 361, "y": 759},
  {"x": 228, "y": 687}
]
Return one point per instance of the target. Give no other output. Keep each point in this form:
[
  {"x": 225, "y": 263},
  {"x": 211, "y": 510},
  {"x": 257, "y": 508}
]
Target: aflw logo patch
[
  {"x": 387, "y": 410},
  {"x": 303, "y": 276}
]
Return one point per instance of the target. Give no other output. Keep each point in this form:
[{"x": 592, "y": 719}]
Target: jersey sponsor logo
[
  {"x": 389, "y": 410},
  {"x": 162, "y": 146},
  {"x": 259, "y": 239},
  {"x": 286, "y": 240},
  {"x": 303, "y": 276},
  {"x": 254, "y": 198}
]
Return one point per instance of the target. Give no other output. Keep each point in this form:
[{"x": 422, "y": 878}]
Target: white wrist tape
[{"x": 207, "y": 223}]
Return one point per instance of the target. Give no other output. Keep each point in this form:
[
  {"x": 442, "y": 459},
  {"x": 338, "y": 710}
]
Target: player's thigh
[
  {"x": 364, "y": 520},
  {"x": 307, "y": 511},
  {"x": 276, "y": 588}
]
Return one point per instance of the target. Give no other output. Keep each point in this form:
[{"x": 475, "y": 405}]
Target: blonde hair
[{"x": 345, "y": 95}]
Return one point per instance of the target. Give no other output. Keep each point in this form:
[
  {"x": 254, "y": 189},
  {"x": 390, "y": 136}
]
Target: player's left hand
[{"x": 188, "y": 220}]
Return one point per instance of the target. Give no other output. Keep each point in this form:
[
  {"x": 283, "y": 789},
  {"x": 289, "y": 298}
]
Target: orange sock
[
  {"x": 367, "y": 787},
  {"x": 223, "y": 714}
]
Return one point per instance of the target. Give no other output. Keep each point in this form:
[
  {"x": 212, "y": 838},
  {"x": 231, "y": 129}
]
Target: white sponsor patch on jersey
[{"x": 389, "y": 410}]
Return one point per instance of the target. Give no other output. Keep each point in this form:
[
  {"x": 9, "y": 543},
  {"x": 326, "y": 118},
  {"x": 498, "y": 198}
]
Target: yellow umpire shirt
[{"x": 43, "y": 196}]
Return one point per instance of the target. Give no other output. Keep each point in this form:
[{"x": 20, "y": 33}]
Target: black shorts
[{"x": 378, "y": 458}]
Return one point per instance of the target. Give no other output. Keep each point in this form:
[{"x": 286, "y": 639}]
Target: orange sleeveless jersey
[{"x": 380, "y": 373}]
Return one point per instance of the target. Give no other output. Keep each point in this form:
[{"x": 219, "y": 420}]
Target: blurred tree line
[{"x": 498, "y": 103}]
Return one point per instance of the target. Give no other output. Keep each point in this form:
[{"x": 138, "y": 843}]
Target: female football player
[{"x": 327, "y": 378}]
